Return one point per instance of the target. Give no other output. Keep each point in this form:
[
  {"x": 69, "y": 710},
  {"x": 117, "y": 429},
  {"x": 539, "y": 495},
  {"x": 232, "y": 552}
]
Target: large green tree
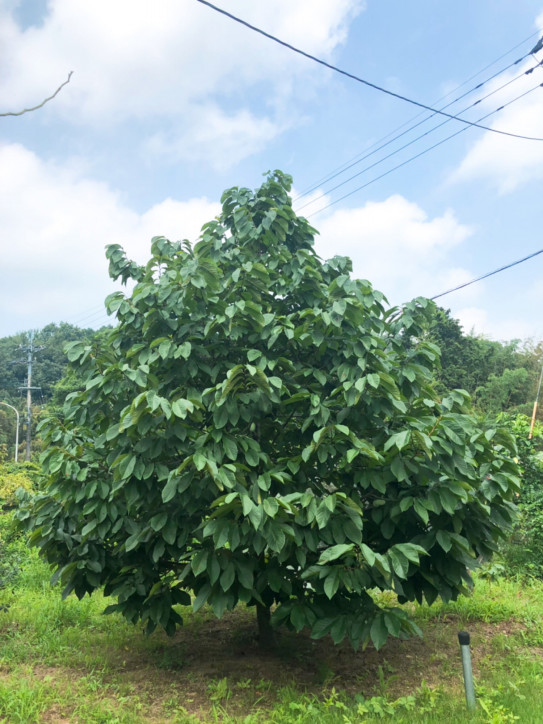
[{"x": 259, "y": 428}]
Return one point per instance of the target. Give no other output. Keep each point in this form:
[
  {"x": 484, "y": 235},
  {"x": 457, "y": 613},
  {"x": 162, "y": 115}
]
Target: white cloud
[
  {"x": 55, "y": 225},
  {"x": 490, "y": 324},
  {"x": 219, "y": 138},
  {"x": 163, "y": 63},
  {"x": 396, "y": 246}
]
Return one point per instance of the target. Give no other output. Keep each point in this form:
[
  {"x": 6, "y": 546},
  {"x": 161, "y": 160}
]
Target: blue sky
[{"x": 170, "y": 103}]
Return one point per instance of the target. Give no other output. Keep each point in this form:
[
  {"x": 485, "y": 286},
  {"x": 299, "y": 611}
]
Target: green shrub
[
  {"x": 14, "y": 550},
  {"x": 14, "y": 476},
  {"x": 523, "y": 553}
]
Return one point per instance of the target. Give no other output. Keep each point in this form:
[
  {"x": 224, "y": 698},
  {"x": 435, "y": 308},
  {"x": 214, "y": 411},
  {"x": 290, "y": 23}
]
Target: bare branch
[{"x": 35, "y": 108}]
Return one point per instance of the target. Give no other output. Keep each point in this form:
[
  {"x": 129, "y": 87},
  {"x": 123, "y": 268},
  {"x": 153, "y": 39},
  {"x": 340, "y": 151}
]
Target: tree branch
[{"x": 35, "y": 108}]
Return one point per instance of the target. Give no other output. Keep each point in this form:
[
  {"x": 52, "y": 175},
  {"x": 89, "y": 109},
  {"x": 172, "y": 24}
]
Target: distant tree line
[
  {"x": 500, "y": 376},
  {"x": 49, "y": 372}
]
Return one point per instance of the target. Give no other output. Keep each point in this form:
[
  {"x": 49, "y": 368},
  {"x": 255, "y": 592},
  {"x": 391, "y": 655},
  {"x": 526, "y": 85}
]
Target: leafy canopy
[{"x": 260, "y": 429}]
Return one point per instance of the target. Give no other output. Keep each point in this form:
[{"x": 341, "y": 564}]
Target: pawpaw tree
[{"x": 260, "y": 428}]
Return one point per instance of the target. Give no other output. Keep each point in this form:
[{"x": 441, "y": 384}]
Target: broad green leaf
[
  {"x": 368, "y": 554},
  {"x": 444, "y": 540},
  {"x": 199, "y": 562},
  {"x": 158, "y": 521},
  {"x": 271, "y": 506},
  {"x": 230, "y": 448},
  {"x": 331, "y": 583},
  {"x": 330, "y": 554},
  {"x": 275, "y": 538},
  {"x": 201, "y": 598},
  {"x": 379, "y": 631},
  {"x": 170, "y": 489}
]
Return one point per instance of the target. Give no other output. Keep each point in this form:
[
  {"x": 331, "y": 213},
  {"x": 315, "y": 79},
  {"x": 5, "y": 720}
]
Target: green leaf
[
  {"x": 421, "y": 510},
  {"x": 379, "y": 631},
  {"x": 339, "y": 630},
  {"x": 201, "y": 598},
  {"x": 399, "y": 440},
  {"x": 220, "y": 416},
  {"x": 399, "y": 562},
  {"x": 444, "y": 540},
  {"x": 199, "y": 461},
  {"x": 126, "y": 467},
  {"x": 112, "y": 432},
  {"x": 181, "y": 407},
  {"x": 169, "y": 532},
  {"x": 393, "y": 623},
  {"x": 271, "y": 506},
  {"x": 352, "y": 532},
  {"x": 256, "y": 515},
  {"x": 247, "y": 504},
  {"x": 275, "y": 538},
  {"x": 170, "y": 489},
  {"x": 411, "y": 551},
  {"x": 331, "y": 583},
  {"x": 330, "y": 554},
  {"x": 228, "y": 576},
  {"x": 323, "y": 515},
  {"x": 230, "y": 448},
  {"x": 352, "y": 454},
  {"x": 448, "y": 500},
  {"x": 245, "y": 574},
  {"x": 183, "y": 350},
  {"x": 322, "y": 627},
  {"x": 158, "y": 521},
  {"x": 368, "y": 554},
  {"x": 132, "y": 541},
  {"x": 199, "y": 562}
]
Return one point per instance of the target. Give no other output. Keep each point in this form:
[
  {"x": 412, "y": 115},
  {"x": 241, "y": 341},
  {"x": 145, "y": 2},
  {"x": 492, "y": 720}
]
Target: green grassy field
[{"x": 63, "y": 661}]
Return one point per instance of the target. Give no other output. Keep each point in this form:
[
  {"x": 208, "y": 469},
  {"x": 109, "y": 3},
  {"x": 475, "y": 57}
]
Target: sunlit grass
[{"x": 66, "y": 661}]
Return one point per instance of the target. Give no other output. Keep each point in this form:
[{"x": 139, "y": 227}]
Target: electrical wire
[
  {"x": 91, "y": 320},
  {"x": 92, "y": 312},
  {"x": 358, "y": 79},
  {"x": 421, "y": 153},
  {"x": 348, "y": 164},
  {"x": 410, "y": 143},
  {"x": 488, "y": 274},
  {"x": 359, "y": 158}
]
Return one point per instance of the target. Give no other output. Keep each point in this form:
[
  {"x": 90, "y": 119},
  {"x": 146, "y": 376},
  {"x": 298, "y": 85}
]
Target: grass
[{"x": 64, "y": 662}]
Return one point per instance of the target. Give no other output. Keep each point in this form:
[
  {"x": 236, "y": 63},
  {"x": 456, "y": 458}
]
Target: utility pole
[
  {"x": 534, "y": 413},
  {"x": 30, "y": 350}
]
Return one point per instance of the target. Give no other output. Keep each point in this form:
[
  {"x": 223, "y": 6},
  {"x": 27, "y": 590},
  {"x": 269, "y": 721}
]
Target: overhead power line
[
  {"x": 358, "y": 79},
  {"x": 349, "y": 163},
  {"x": 421, "y": 153},
  {"x": 414, "y": 140},
  {"x": 538, "y": 46},
  {"x": 362, "y": 157},
  {"x": 488, "y": 274}
]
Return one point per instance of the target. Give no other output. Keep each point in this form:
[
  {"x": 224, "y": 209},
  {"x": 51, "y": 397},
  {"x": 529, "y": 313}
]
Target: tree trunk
[{"x": 266, "y": 634}]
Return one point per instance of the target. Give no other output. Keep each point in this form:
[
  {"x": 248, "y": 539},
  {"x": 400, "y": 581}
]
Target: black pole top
[{"x": 463, "y": 638}]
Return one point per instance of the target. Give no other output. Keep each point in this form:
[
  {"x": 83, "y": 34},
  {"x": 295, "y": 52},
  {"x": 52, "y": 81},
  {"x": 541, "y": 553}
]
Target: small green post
[{"x": 463, "y": 639}]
